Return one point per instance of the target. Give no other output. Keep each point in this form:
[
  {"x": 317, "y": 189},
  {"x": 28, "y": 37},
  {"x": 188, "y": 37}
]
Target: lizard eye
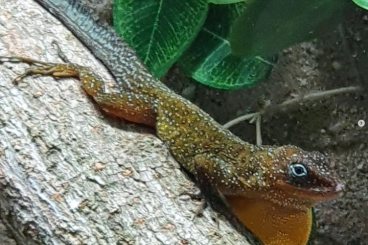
[{"x": 298, "y": 170}]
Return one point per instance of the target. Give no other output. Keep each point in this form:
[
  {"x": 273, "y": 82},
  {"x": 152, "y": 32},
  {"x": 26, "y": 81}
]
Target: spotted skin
[
  {"x": 259, "y": 182},
  {"x": 192, "y": 136},
  {"x": 256, "y": 181},
  {"x": 232, "y": 166}
]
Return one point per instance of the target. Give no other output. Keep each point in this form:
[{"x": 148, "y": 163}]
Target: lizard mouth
[
  {"x": 327, "y": 193},
  {"x": 312, "y": 195}
]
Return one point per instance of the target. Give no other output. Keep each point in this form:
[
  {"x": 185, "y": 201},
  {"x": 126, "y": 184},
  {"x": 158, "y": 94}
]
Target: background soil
[{"x": 337, "y": 60}]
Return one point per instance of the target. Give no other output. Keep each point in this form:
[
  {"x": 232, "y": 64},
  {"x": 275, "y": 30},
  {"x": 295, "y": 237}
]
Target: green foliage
[
  {"x": 159, "y": 30},
  {"x": 225, "y": 1},
  {"x": 268, "y": 26},
  {"x": 209, "y": 59},
  {"x": 204, "y": 36},
  {"x": 362, "y": 3}
]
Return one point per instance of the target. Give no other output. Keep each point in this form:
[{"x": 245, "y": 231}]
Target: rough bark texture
[{"x": 69, "y": 176}]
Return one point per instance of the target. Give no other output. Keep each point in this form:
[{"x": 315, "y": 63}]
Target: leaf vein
[{"x": 155, "y": 24}]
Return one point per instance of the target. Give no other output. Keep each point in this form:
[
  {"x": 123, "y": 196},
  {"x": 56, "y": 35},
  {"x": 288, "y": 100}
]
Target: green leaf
[
  {"x": 225, "y": 1},
  {"x": 362, "y": 3},
  {"x": 269, "y": 26},
  {"x": 209, "y": 59},
  {"x": 159, "y": 30}
]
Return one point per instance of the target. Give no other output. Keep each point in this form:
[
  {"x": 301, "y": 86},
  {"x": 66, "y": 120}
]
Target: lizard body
[{"x": 258, "y": 181}]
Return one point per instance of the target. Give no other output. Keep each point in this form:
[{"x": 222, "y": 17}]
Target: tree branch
[{"x": 70, "y": 177}]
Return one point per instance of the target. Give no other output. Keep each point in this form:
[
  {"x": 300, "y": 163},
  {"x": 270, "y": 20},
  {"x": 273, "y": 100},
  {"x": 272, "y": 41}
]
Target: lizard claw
[
  {"x": 198, "y": 211},
  {"x": 42, "y": 68},
  {"x": 202, "y": 206},
  {"x": 18, "y": 59}
]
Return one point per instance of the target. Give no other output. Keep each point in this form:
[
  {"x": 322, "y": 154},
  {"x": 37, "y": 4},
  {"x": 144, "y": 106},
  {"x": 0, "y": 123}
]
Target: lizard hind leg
[
  {"x": 131, "y": 106},
  {"x": 42, "y": 68}
]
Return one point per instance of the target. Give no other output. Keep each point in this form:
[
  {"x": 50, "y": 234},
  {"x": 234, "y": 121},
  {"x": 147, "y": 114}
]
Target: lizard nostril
[{"x": 340, "y": 186}]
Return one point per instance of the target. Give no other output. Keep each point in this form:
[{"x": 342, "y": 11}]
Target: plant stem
[{"x": 288, "y": 103}]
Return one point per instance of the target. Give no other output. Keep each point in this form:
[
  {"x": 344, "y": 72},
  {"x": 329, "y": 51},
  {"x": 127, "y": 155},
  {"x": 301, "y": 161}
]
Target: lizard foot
[
  {"x": 42, "y": 68},
  {"x": 202, "y": 206},
  {"x": 209, "y": 196}
]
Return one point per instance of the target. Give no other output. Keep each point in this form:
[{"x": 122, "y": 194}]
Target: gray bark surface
[{"x": 69, "y": 175}]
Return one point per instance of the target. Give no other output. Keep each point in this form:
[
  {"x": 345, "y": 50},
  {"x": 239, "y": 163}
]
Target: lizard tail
[{"x": 103, "y": 42}]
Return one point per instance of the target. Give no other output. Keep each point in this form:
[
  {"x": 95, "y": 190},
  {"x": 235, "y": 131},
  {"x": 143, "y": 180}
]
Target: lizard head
[{"x": 300, "y": 178}]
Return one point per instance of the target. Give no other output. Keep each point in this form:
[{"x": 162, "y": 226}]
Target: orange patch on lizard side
[
  {"x": 271, "y": 223},
  {"x": 140, "y": 115}
]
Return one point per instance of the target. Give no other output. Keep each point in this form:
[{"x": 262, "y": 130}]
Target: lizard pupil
[{"x": 298, "y": 170}]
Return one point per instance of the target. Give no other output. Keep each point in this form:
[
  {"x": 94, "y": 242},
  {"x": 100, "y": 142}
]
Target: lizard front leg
[
  {"x": 204, "y": 170},
  {"x": 130, "y": 105},
  {"x": 208, "y": 192}
]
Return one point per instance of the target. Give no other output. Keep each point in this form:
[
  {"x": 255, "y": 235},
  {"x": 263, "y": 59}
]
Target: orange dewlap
[{"x": 273, "y": 224}]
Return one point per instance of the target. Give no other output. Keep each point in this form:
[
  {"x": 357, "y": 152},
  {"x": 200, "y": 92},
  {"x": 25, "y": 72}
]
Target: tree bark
[{"x": 68, "y": 174}]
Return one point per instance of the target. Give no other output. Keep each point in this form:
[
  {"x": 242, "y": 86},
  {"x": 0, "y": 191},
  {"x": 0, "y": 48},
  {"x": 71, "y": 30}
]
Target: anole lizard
[{"x": 271, "y": 189}]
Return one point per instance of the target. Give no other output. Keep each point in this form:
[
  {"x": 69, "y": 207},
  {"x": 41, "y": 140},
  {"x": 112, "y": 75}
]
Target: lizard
[{"x": 271, "y": 189}]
